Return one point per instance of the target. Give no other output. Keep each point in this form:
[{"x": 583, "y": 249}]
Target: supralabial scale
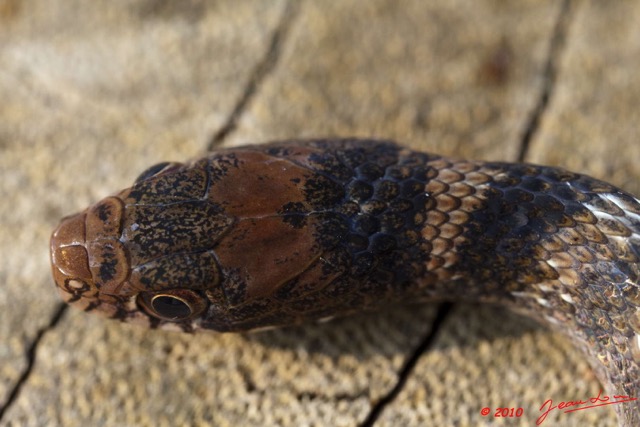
[{"x": 281, "y": 233}]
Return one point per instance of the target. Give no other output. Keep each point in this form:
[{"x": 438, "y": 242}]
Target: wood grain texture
[{"x": 93, "y": 96}]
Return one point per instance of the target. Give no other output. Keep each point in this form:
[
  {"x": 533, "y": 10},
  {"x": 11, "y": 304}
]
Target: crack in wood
[
  {"x": 407, "y": 369},
  {"x": 31, "y": 358},
  {"x": 262, "y": 70},
  {"x": 549, "y": 76}
]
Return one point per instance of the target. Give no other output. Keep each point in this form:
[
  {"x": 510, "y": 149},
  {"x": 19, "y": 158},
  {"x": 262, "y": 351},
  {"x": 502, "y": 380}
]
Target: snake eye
[
  {"x": 156, "y": 170},
  {"x": 173, "y": 305}
]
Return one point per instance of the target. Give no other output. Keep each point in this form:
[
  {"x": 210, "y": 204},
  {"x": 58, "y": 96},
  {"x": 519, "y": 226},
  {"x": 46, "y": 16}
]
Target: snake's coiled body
[{"x": 276, "y": 234}]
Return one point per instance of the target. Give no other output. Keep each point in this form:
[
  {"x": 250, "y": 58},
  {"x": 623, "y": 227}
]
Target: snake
[{"x": 293, "y": 231}]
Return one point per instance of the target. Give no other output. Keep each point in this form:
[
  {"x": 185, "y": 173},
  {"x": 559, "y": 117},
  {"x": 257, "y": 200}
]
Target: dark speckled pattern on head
[{"x": 280, "y": 233}]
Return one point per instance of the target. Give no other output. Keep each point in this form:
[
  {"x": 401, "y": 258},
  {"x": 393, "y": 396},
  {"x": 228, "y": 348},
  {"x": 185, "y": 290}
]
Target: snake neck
[{"x": 561, "y": 247}]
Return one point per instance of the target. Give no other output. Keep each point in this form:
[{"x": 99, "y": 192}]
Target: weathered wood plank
[{"x": 92, "y": 94}]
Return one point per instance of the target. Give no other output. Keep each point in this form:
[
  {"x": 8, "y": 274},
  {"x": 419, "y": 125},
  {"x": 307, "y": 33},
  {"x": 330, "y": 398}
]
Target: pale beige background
[{"x": 91, "y": 93}]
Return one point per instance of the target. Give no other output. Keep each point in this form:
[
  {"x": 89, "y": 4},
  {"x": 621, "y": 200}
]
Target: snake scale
[{"x": 281, "y": 233}]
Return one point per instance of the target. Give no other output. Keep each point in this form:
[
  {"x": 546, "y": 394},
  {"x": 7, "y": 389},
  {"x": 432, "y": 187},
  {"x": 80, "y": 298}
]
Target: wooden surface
[{"x": 94, "y": 92}]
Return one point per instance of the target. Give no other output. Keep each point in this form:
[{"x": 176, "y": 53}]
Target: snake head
[
  {"x": 234, "y": 241},
  {"x": 144, "y": 255}
]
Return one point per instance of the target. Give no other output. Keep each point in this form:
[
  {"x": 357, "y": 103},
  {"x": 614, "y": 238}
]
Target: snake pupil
[{"x": 170, "y": 307}]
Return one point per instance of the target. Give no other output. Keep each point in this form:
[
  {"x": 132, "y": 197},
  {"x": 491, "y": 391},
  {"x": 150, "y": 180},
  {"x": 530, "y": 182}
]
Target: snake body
[{"x": 281, "y": 233}]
